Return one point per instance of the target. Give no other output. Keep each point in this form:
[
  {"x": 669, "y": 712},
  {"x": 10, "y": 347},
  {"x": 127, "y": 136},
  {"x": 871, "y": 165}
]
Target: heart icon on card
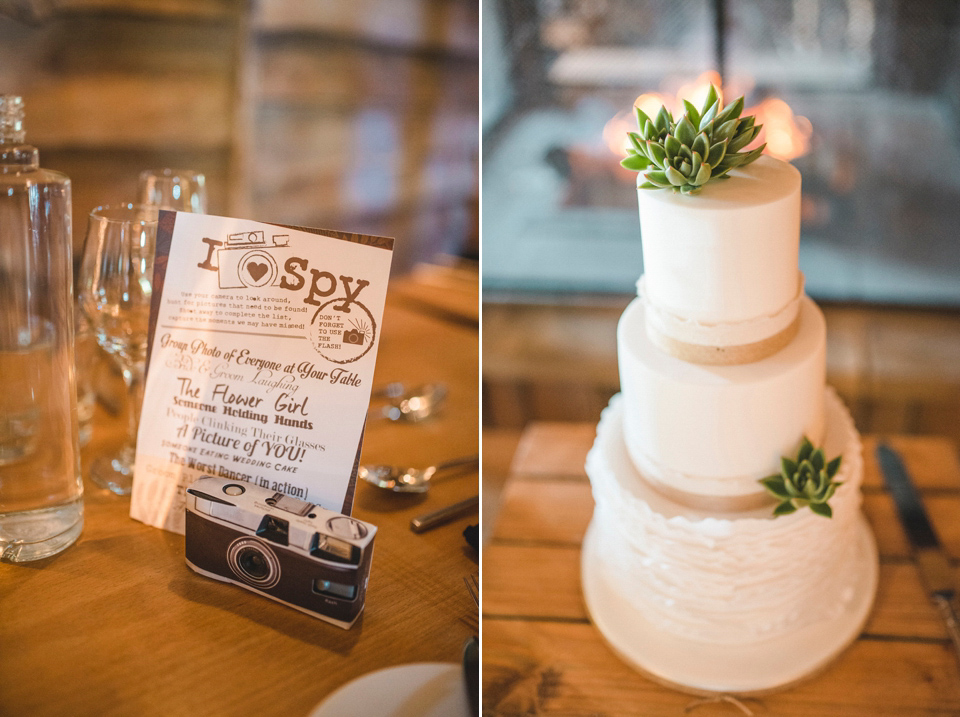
[{"x": 257, "y": 270}]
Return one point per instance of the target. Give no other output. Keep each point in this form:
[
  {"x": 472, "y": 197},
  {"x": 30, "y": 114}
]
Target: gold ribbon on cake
[
  {"x": 724, "y": 355},
  {"x": 721, "y": 344}
]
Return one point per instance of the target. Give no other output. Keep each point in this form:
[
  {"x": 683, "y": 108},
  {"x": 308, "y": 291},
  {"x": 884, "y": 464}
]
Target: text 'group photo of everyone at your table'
[{"x": 239, "y": 357}]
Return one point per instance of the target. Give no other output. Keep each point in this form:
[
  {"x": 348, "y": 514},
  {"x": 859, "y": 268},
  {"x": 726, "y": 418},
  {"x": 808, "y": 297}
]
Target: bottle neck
[
  {"x": 11, "y": 119},
  {"x": 18, "y": 157},
  {"x": 15, "y": 156}
]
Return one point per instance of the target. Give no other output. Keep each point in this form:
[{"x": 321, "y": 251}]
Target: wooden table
[
  {"x": 542, "y": 656},
  {"x": 118, "y": 625}
]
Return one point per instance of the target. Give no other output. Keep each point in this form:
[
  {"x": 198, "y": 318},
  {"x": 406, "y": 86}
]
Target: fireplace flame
[
  {"x": 615, "y": 132},
  {"x": 787, "y": 135},
  {"x": 696, "y": 92}
]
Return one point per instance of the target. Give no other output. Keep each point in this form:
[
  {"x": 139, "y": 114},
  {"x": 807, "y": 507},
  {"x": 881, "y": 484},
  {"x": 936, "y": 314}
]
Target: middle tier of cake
[{"x": 699, "y": 431}]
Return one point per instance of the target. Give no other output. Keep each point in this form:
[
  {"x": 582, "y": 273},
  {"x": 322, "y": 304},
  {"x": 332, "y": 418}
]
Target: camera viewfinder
[{"x": 274, "y": 529}]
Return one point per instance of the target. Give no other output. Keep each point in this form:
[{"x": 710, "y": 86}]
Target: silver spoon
[
  {"x": 411, "y": 480},
  {"x": 409, "y": 404}
]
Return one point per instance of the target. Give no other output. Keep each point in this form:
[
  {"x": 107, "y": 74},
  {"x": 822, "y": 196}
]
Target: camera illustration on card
[
  {"x": 249, "y": 260},
  {"x": 358, "y": 333},
  {"x": 289, "y": 550}
]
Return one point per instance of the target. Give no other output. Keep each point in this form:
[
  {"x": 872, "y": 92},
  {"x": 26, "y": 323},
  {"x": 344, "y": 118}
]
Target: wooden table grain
[
  {"x": 541, "y": 655},
  {"x": 118, "y": 625}
]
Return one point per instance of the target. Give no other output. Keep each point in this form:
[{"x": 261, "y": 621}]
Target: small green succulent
[
  {"x": 808, "y": 480},
  {"x": 696, "y": 149}
]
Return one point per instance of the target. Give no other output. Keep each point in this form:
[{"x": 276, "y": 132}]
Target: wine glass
[
  {"x": 116, "y": 272},
  {"x": 182, "y": 190}
]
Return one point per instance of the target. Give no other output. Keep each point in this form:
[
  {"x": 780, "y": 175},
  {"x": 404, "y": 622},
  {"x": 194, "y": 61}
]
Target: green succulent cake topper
[
  {"x": 684, "y": 155},
  {"x": 808, "y": 480}
]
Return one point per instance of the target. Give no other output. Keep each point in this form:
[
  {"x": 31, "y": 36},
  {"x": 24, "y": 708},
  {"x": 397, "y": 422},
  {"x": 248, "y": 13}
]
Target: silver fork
[{"x": 473, "y": 587}]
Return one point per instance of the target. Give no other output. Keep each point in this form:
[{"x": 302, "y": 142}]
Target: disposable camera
[
  {"x": 314, "y": 560},
  {"x": 249, "y": 260}
]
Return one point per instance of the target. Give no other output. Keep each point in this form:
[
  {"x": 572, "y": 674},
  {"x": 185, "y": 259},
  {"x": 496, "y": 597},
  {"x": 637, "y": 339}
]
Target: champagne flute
[
  {"x": 182, "y": 190},
  {"x": 116, "y": 273}
]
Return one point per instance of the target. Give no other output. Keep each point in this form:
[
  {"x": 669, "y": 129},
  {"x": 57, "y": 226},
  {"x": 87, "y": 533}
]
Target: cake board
[{"x": 703, "y": 668}]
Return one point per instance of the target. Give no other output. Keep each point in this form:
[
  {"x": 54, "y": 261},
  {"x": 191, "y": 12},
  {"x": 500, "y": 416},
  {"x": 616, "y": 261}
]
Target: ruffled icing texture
[{"x": 738, "y": 578}]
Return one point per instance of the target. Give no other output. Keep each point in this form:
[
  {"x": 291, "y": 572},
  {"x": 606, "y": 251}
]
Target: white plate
[{"x": 423, "y": 689}]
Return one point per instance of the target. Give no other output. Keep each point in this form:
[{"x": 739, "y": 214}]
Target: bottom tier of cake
[{"x": 730, "y": 602}]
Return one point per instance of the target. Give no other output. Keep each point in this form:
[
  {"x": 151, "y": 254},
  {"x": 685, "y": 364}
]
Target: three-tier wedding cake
[{"x": 727, "y": 550}]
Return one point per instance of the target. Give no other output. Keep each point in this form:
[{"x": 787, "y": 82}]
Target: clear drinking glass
[
  {"x": 116, "y": 272},
  {"x": 86, "y": 359},
  {"x": 182, "y": 190}
]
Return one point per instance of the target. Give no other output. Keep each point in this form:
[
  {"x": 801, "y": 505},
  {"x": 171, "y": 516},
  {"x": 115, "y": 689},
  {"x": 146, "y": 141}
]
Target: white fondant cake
[{"x": 686, "y": 570}]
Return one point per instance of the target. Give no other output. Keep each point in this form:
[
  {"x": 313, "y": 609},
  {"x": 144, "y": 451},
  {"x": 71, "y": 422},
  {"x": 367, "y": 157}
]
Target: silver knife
[
  {"x": 935, "y": 569},
  {"x": 423, "y": 523}
]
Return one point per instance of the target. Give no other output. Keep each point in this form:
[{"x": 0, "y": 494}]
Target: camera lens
[{"x": 254, "y": 562}]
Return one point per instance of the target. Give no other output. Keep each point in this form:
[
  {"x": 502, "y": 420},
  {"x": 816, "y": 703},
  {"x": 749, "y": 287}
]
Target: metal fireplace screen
[{"x": 863, "y": 96}]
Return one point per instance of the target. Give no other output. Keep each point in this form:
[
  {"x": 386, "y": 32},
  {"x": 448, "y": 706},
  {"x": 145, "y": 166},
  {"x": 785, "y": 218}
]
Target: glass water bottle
[{"x": 41, "y": 492}]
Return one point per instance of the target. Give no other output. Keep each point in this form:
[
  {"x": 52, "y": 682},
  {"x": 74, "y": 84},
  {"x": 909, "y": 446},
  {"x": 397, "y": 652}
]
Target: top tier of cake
[{"x": 720, "y": 268}]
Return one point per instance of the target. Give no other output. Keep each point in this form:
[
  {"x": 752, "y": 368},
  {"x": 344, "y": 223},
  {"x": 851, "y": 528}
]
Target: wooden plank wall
[
  {"x": 110, "y": 93},
  {"x": 367, "y": 118},
  {"x": 352, "y": 114},
  {"x": 377, "y": 139}
]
